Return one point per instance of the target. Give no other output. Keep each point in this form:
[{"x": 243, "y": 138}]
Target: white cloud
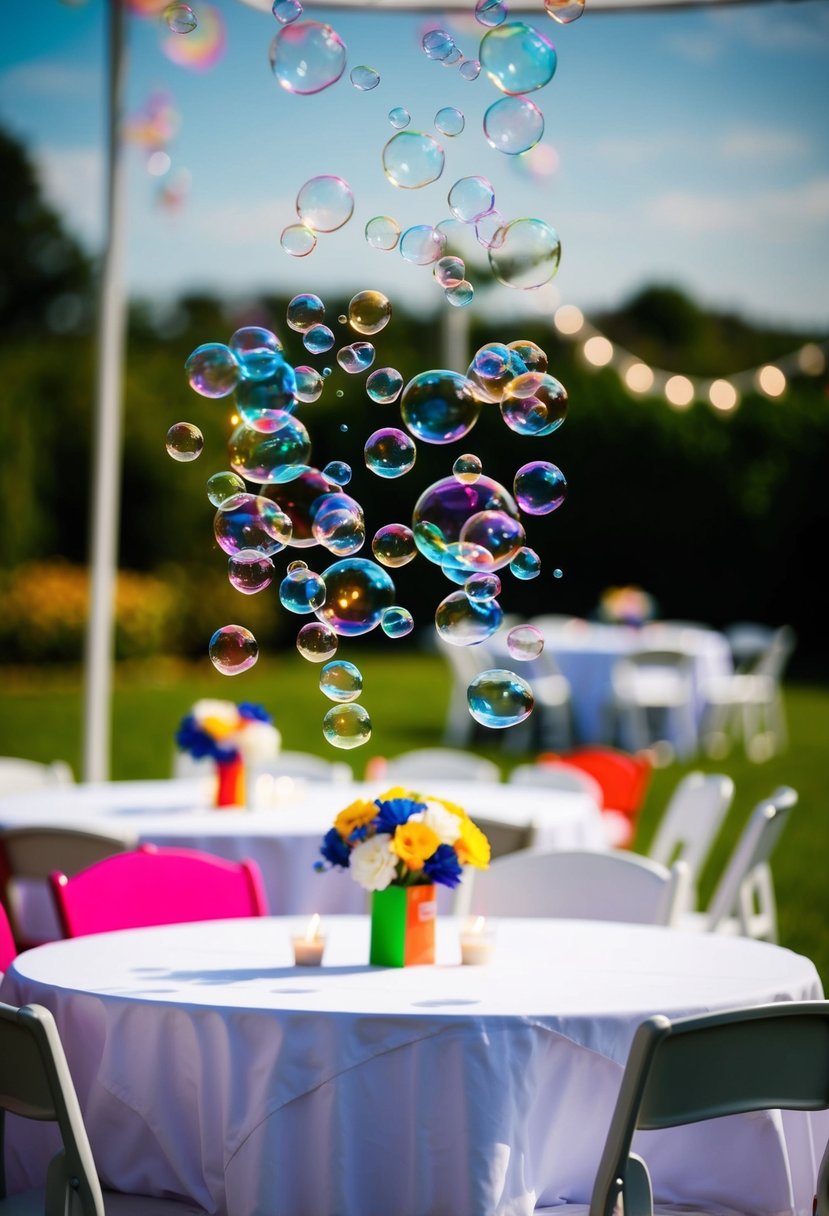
[
  {"x": 762, "y": 143},
  {"x": 50, "y": 79},
  {"x": 72, "y": 179},
  {"x": 776, "y": 215}
]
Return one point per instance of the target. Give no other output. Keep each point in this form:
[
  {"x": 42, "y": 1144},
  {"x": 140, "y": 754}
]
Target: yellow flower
[
  {"x": 354, "y": 816},
  {"x": 450, "y": 806},
  {"x": 414, "y": 843},
  {"x": 472, "y": 847},
  {"x": 397, "y": 791}
]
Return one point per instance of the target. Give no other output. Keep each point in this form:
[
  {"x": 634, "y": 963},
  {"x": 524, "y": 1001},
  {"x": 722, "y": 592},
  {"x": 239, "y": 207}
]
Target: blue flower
[
  {"x": 443, "y": 866},
  {"x": 335, "y": 850},
  {"x": 395, "y": 811},
  {"x": 194, "y": 740},
  {"x": 252, "y": 712}
]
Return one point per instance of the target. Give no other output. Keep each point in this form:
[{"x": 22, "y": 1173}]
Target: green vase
[{"x": 403, "y": 926}]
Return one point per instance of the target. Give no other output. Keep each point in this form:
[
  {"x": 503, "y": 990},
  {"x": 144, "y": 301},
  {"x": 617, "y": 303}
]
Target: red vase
[{"x": 230, "y": 782}]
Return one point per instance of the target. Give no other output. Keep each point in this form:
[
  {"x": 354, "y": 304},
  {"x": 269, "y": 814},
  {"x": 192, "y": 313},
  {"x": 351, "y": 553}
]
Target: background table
[{"x": 207, "y": 1066}]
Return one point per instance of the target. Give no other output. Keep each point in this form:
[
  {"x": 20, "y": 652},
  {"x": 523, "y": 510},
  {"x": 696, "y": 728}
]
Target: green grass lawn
[{"x": 41, "y": 718}]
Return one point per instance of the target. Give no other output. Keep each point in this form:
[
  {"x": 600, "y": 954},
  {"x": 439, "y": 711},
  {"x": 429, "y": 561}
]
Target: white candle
[
  {"x": 308, "y": 949},
  {"x": 477, "y": 943}
]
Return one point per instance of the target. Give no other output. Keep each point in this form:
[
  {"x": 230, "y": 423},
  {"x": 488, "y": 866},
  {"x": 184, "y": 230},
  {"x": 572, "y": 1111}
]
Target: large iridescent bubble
[
  {"x": 302, "y": 591},
  {"x": 309, "y": 383},
  {"x": 341, "y": 681},
  {"x": 347, "y": 726},
  {"x": 499, "y": 698},
  {"x": 307, "y": 57},
  {"x": 316, "y": 642},
  {"x": 389, "y": 452},
  {"x": 249, "y": 571},
  {"x": 534, "y": 403},
  {"x": 444, "y": 508},
  {"x": 213, "y": 370},
  {"x": 184, "y": 442},
  {"x": 513, "y": 125},
  {"x": 369, "y": 312},
  {"x": 251, "y": 521},
  {"x": 233, "y": 649},
  {"x": 439, "y": 406},
  {"x": 325, "y": 203},
  {"x": 258, "y": 351},
  {"x": 273, "y": 450},
  {"x": 397, "y": 622},
  {"x": 412, "y": 159},
  {"x": 463, "y": 622},
  {"x": 528, "y": 256},
  {"x": 384, "y": 385},
  {"x": 304, "y": 311},
  {"x": 540, "y": 487},
  {"x": 259, "y": 400},
  {"x": 358, "y": 593},
  {"x": 497, "y": 533},
  {"x": 517, "y": 58},
  {"x": 394, "y": 545},
  {"x": 338, "y": 524}
]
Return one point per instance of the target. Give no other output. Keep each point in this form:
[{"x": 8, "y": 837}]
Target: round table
[{"x": 208, "y": 1066}]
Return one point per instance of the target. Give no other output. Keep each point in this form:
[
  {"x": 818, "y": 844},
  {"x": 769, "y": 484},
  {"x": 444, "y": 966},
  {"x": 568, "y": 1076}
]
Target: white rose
[
  {"x": 219, "y": 711},
  {"x": 442, "y": 822},
  {"x": 258, "y": 741},
  {"x": 373, "y": 865}
]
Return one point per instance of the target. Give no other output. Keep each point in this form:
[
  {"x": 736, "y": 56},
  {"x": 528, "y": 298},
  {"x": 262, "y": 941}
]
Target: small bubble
[
  {"x": 356, "y": 358},
  {"x": 309, "y": 384},
  {"x": 489, "y": 230},
  {"x": 233, "y": 649},
  {"x": 437, "y": 44},
  {"x": 490, "y": 12},
  {"x": 460, "y": 295},
  {"x": 258, "y": 352},
  {"x": 525, "y": 642},
  {"x": 399, "y": 117},
  {"x": 396, "y": 622},
  {"x": 412, "y": 159},
  {"x": 422, "y": 244},
  {"x": 470, "y": 69},
  {"x": 526, "y": 564},
  {"x": 558, "y": 573},
  {"x": 286, "y": 11},
  {"x": 499, "y": 698},
  {"x": 307, "y": 56},
  {"x": 449, "y": 271},
  {"x": 341, "y": 681},
  {"x": 513, "y": 125},
  {"x": 540, "y": 487},
  {"x": 316, "y": 642},
  {"x": 384, "y": 385},
  {"x": 369, "y": 312},
  {"x": 347, "y": 726},
  {"x": 382, "y": 232},
  {"x": 528, "y": 256},
  {"x": 298, "y": 241},
  {"x": 339, "y": 393},
  {"x": 470, "y": 198},
  {"x": 467, "y": 469},
  {"x": 180, "y": 18},
  {"x": 318, "y": 339},
  {"x": 325, "y": 203},
  {"x": 213, "y": 370},
  {"x": 394, "y": 545},
  {"x": 304, "y": 311},
  {"x": 222, "y": 486},
  {"x": 564, "y": 11},
  {"x": 449, "y": 121},
  {"x": 302, "y": 591},
  {"x": 344, "y": 428},
  {"x": 389, "y": 452},
  {"x": 184, "y": 441},
  {"x": 250, "y": 571},
  {"x": 480, "y": 588},
  {"x": 439, "y": 406},
  {"x": 337, "y": 471},
  {"x": 364, "y": 78},
  {"x": 517, "y": 58},
  {"x": 462, "y": 622}
]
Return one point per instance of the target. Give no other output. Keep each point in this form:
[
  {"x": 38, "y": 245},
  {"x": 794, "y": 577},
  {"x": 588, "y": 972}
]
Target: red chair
[
  {"x": 624, "y": 781},
  {"x": 152, "y": 886},
  {"x": 8, "y": 950}
]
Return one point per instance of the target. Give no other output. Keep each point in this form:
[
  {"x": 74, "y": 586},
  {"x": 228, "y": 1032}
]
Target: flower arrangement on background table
[
  {"x": 626, "y": 606},
  {"x": 398, "y": 846},
  {"x": 234, "y": 736}
]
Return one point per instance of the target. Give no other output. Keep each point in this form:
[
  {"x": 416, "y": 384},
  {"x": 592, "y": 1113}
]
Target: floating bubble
[
  {"x": 396, "y": 622},
  {"x": 347, "y": 726},
  {"x": 286, "y": 11},
  {"x": 337, "y": 471},
  {"x": 449, "y": 121},
  {"x": 364, "y": 78},
  {"x": 316, "y": 642},
  {"x": 384, "y": 385},
  {"x": 528, "y": 256},
  {"x": 338, "y": 524},
  {"x": 318, "y": 339},
  {"x": 481, "y": 588},
  {"x": 470, "y": 69},
  {"x": 498, "y": 532},
  {"x": 302, "y": 591},
  {"x": 540, "y": 487},
  {"x": 297, "y": 565},
  {"x": 250, "y": 571},
  {"x": 490, "y": 13},
  {"x": 470, "y": 198},
  {"x": 369, "y": 312},
  {"x": 525, "y": 642},
  {"x": 382, "y": 232},
  {"x": 389, "y": 452},
  {"x": 564, "y": 11},
  {"x": 558, "y": 573},
  {"x": 437, "y": 44},
  {"x": 298, "y": 241},
  {"x": 489, "y": 230},
  {"x": 467, "y": 468},
  {"x": 444, "y": 508},
  {"x": 454, "y": 56},
  {"x": 499, "y": 698},
  {"x": 412, "y": 159},
  {"x": 258, "y": 351},
  {"x": 301, "y": 499},
  {"x": 309, "y": 383},
  {"x": 517, "y": 58},
  {"x": 399, "y": 117},
  {"x": 491, "y": 370},
  {"x": 205, "y": 42},
  {"x": 534, "y": 403},
  {"x": 460, "y": 559},
  {"x": 270, "y": 400},
  {"x": 307, "y": 56},
  {"x": 439, "y": 406},
  {"x": 221, "y": 486},
  {"x": 184, "y": 441},
  {"x": 526, "y": 564},
  {"x": 326, "y": 371},
  {"x": 269, "y": 451},
  {"x": 358, "y": 593},
  {"x": 304, "y": 311},
  {"x": 461, "y": 622},
  {"x": 356, "y": 358},
  {"x": 460, "y": 295},
  {"x": 530, "y": 354},
  {"x": 449, "y": 271},
  {"x": 513, "y": 125},
  {"x": 344, "y": 427},
  {"x": 422, "y": 244},
  {"x": 394, "y": 545},
  {"x": 341, "y": 681},
  {"x": 325, "y": 203},
  {"x": 213, "y": 370},
  {"x": 180, "y": 18},
  {"x": 233, "y": 649},
  {"x": 251, "y": 521}
]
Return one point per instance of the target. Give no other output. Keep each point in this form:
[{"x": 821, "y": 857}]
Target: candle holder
[
  {"x": 477, "y": 943},
  {"x": 309, "y": 946}
]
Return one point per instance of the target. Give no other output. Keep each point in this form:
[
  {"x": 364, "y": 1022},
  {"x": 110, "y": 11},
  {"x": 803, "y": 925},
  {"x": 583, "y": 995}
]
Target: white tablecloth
[
  {"x": 283, "y": 839},
  {"x": 207, "y": 1066}
]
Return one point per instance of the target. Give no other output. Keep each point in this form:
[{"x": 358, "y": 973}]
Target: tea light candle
[
  {"x": 309, "y": 948},
  {"x": 477, "y": 942}
]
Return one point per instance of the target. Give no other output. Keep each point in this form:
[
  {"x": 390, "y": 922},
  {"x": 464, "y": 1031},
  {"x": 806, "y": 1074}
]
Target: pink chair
[
  {"x": 8, "y": 950},
  {"x": 153, "y": 886}
]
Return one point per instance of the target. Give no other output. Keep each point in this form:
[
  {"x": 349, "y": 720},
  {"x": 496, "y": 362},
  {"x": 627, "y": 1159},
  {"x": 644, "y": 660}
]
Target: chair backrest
[
  {"x": 35, "y": 1083},
  {"x": 304, "y": 766},
  {"x": 769, "y": 1056},
  {"x": 624, "y": 778},
  {"x": 433, "y": 763},
  {"x": 581, "y": 885},
  {"x": 152, "y": 886},
  {"x": 8, "y": 949},
  {"x": 745, "y": 888},
  {"x": 648, "y": 677},
  {"x": 557, "y": 776},
  {"x": 17, "y": 776},
  {"x": 771, "y": 662},
  {"x": 691, "y": 820}
]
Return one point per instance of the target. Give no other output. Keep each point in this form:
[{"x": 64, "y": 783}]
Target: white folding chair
[
  {"x": 304, "y": 766},
  {"x": 17, "y": 776},
  {"x": 35, "y": 1083},
  {"x": 734, "y": 1062},
  {"x": 653, "y": 701},
  {"x": 436, "y": 763},
  {"x": 465, "y": 662},
  {"x": 749, "y": 703},
  {"x": 555, "y": 776},
  {"x": 581, "y": 885},
  {"x": 690, "y": 822}
]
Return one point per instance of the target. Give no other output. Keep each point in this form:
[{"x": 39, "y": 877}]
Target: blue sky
[{"x": 693, "y": 149}]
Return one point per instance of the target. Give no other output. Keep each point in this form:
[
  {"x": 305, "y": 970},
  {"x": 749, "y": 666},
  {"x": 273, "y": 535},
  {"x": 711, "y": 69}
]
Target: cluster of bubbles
[
  {"x": 323, "y": 204},
  {"x": 272, "y": 499}
]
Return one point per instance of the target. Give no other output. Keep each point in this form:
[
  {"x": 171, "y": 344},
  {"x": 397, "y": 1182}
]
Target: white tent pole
[{"x": 106, "y": 495}]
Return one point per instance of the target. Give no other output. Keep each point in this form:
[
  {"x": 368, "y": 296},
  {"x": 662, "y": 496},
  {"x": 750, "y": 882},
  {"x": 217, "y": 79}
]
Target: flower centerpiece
[
  {"x": 626, "y": 606},
  {"x": 398, "y": 846},
  {"x": 232, "y": 735}
]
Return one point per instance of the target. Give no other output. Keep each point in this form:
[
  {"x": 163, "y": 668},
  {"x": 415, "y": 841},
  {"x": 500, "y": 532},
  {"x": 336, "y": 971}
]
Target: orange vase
[{"x": 230, "y": 782}]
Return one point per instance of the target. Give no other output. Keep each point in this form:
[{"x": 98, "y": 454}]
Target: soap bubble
[
  {"x": 268, "y": 401},
  {"x": 382, "y": 232},
  {"x": 389, "y": 452},
  {"x": 449, "y": 121},
  {"x": 422, "y": 244},
  {"x": 302, "y": 591},
  {"x": 498, "y": 532},
  {"x": 298, "y": 241},
  {"x": 490, "y": 12},
  {"x": 467, "y": 468},
  {"x": 309, "y": 383},
  {"x": 525, "y": 642},
  {"x": 286, "y": 11},
  {"x": 481, "y": 588},
  {"x": 316, "y": 642},
  {"x": 513, "y": 125},
  {"x": 384, "y": 385},
  {"x": 437, "y": 44},
  {"x": 318, "y": 339},
  {"x": 396, "y": 622},
  {"x": 499, "y": 698},
  {"x": 491, "y": 370},
  {"x": 304, "y": 311},
  {"x": 558, "y": 573},
  {"x": 489, "y": 230},
  {"x": 325, "y": 203},
  {"x": 251, "y": 521},
  {"x": 337, "y": 471},
  {"x": 297, "y": 565},
  {"x": 526, "y": 564},
  {"x": 250, "y": 571},
  {"x": 358, "y": 592},
  {"x": 528, "y": 256},
  {"x": 269, "y": 451},
  {"x": 221, "y": 486},
  {"x": 449, "y": 271},
  {"x": 180, "y": 18},
  {"x": 460, "y": 295},
  {"x": 445, "y": 507},
  {"x": 399, "y": 117},
  {"x": 394, "y": 545},
  {"x": 540, "y": 487},
  {"x": 356, "y": 358},
  {"x": 460, "y": 559},
  {"x": 530, "y": 354},
  {"x": 461, "y": 622},
  {"x": 454, "y": 56},
  {"x": 439, "y": 406},
  {"x": 341, "y": 681},
  {"x": 258, "y": 351},
  {"x": 412, "y": 159},
  {"x": 364, "y": 78},
  {"x": 300, "y": 499},
  {"x": 233, "y": 649},
  {"x": 517, "y": 58},
  {"x": 347, "y": 726},
  {"x": 369, "y": 312},
  {"x": 564, "y": 11},
  {"x": 184, "y": 441},
  {"x": 307, "y": 56},
  {"x": 204, "y": 44},
  {"x": 213, "y": 370},
  {"x": 471, "y": 69},
  {"x": 534, "y": 403},
  {"x": 470, "y": 198},
  {"x": 338, "y": 524}
]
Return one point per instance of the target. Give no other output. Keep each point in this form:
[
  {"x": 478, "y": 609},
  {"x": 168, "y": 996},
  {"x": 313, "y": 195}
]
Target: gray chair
[
  {"x": 35, "y": 1083},
  {"x": 749, "y": 703},
  {"x": 653, "y": 701},
  {"x": 439, "y": 763}
]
